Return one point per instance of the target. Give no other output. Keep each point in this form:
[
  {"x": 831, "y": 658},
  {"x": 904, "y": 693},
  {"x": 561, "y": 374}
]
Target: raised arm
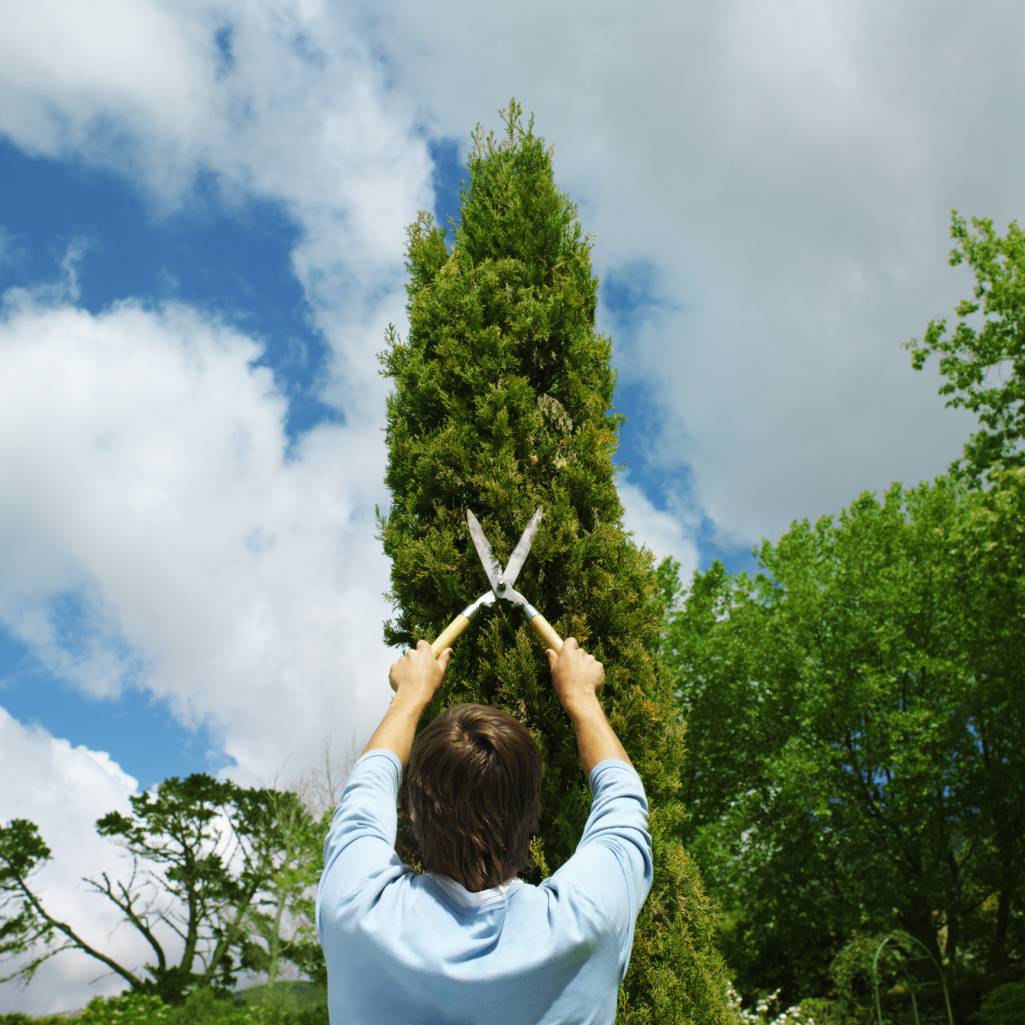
[
  {"x": 577, "y": 677},
  {"x": 415, "y": 678}
]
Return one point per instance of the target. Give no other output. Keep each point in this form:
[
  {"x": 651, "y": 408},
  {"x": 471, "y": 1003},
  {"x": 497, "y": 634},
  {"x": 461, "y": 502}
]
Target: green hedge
[
  {"x": 1004, "y": 1005},
  {"x": 286, "y": 1005}
]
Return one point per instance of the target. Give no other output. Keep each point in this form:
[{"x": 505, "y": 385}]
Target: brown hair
[{"x": 474, "y": 785}]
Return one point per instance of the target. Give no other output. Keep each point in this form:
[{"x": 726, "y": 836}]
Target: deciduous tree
[
  {"x": 857, "y": 724},
  {"x": 985, "y": 364},
  {"x": 213, "y": 867},
  {"x": 284, "y": 847}
]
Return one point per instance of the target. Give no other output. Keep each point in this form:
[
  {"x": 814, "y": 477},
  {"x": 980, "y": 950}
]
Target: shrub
[
  {"x": 201, "y": 1007},
  {"x": 1004, "y": 1005},
  {"x": 127, "y": 1009}
]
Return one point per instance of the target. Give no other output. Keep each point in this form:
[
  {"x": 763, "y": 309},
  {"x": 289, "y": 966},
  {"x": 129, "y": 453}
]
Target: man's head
[{"x": 474, "y": 784}]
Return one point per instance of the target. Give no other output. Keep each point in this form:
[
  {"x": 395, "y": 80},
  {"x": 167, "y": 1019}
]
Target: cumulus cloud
[
  {"x": 157, "y": 529},
  {"x": 149, "y": 495},
  {"x": 267, "y": 101},
  {"x": 789, "y": 169},
  {"x": 64, "y": 790},
  {"x": 659, "y": 530}
]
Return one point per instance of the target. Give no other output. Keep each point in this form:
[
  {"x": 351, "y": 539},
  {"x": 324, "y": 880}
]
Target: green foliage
[
  {"x": 224, "y": 867},
  {"x": 294, "y": 997},
  {"x": 768, "y": 1010},
  {"x": 857, "y": 735},
  {"x": 17, "y": 1018},
  {"x": 985, "y": 368},
  {"x": 202, "y": 1007},
  {"x": 128, "y": 1009},
  {"x": 1004, "y": 1005},
  {"x": 855, "y": 969},
  {"x": 823, "y": 1011},
  {"x": 285, "y": 852},
  {"x": 502, "y": 401},
  {"x": 278, "y": 1006},
  {"x": 180, "y": 828},
  {"x": 893, "y": 964},
  {"x": 22, "y": 927}
]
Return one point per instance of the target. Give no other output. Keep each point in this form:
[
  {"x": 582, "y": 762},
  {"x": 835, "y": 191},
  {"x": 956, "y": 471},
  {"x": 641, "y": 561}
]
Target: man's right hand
[
  {"x": 418, "y": 673},
  {"x": 576, "y": 675}
]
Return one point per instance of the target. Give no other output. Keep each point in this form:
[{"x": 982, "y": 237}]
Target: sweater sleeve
[
  {"x": 612, "y": 865},
  {"x": 360, "y": 847}
]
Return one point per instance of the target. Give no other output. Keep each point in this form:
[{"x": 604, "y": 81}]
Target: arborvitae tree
[{"x": 502, "y": 400}]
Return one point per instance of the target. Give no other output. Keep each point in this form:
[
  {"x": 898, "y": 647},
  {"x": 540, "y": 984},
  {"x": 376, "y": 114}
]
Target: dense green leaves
[
  {"x": 857, "y": 734},
  {"x": 985, "y": 367},
  {"x": 1004, "y": 1006},
  {"x": 290, "y": 1005},
  {"x": 502, "y": 400},
  {"x": 857, "y": 710},
  {"x": 22, "y": 927}
]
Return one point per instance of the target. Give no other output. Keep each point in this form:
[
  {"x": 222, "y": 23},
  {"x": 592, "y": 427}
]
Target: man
[{"x": 467, "y": 941}]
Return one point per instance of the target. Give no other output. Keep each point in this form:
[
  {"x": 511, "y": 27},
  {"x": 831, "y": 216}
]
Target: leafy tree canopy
[
  {"x": 857, "y": 735},
  {"x": 216, "y": 869},
  {"x": 985, "y": 366}
]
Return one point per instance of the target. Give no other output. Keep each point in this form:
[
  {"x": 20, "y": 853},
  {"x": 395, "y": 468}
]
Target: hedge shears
[{"x": 502, "y": 581}]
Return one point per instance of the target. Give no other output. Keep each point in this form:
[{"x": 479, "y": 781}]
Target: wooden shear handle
[
  {"x": 544, "y": 630},
  {"x": 448, "y": 636},
  {"x": 454, "y": 630}
]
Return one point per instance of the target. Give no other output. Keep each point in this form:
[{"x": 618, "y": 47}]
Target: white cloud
[
  {"x": 659, "y": 530},
  {"x": 789, "y": 168},
  {"x": 64, "y": 790},
  {"x": 146, "y": 481},
  {"x": 296, "y": 110},
  {"x": 94, "y": 80}
]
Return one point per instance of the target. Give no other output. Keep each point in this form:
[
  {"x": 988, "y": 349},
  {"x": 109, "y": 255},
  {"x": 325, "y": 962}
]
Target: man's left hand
[
  {"x": 415, "y": 678},
  {"x": 418, "y": 673}
]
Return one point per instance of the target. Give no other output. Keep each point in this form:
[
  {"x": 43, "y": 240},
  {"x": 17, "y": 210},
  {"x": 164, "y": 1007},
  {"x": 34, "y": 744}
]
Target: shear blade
[
  {"x": 487, "y": 556},
  {"x": 520, "y": 552}
]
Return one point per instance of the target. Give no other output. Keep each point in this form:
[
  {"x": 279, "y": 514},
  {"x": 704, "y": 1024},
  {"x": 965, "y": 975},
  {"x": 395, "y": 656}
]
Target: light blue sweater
[{"x": 409, "y": 949}]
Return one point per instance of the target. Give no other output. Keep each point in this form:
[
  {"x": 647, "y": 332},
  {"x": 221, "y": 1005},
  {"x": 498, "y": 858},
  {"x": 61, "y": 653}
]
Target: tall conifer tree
[{"x": 502, "y": 400}]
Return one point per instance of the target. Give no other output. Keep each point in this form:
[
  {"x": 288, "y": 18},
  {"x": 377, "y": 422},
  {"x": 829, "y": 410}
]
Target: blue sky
[
  {"x": 201, "y": 246},
  {"x": 232, "y": 262}
]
